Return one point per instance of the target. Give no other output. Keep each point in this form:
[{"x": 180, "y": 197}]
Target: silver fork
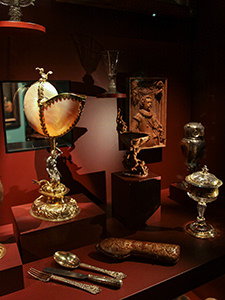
[{"x": 45, "y": 277}]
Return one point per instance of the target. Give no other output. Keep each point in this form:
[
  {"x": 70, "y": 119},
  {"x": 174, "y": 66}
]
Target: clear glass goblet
[{"x": 110, "y": 58}]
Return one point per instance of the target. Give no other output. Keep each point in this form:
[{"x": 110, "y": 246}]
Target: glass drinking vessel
[
  {"x": 110, "y": 58},
  {"x": 202, "y": 187}
]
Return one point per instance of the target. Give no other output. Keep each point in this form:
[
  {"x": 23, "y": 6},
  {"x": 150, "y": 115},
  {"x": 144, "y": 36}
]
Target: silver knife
[{"x": 72, "y": 274}]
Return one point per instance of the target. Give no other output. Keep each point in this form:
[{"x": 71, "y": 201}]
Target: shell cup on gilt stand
[{"x": 52, "y": 115}]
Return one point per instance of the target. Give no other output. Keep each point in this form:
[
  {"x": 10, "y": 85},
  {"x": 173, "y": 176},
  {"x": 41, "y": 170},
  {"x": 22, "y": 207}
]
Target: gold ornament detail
[
  {"x": 133, "y": 140},
  {"x": 53, "y": 205},
  {"x": 2, "y": 251}
]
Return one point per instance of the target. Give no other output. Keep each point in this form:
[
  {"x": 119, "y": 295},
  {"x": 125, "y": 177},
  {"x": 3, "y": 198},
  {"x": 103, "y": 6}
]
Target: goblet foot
[
  {"x": 55, "y": 210},
  {"x": 202, "y": 230},
  {"x": 143, "y": 172},
  {"x": 2, "y": 251}
]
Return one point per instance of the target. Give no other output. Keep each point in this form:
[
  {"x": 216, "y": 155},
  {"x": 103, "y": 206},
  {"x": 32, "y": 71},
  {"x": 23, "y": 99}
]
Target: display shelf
[
  {"x": 18, "y": 25},
  {"x": 201, "y": 261},
  {"x": 37, "y": 239},
  {"x": 11, "y": 271},
  {"x": 112, "y": 95}
]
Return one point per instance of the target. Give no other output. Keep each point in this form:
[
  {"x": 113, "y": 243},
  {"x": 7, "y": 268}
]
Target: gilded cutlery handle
[
  {"x": 106, "y": 280},
  {"x": 117, "y": 275},
  {"x": 93, "y": 289}
]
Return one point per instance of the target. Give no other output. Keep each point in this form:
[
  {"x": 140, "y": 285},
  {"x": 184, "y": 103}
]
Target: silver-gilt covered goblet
[{"x": 202, "y": 187}]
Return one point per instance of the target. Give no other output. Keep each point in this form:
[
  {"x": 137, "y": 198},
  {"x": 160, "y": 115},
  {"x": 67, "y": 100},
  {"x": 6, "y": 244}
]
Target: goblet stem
[
  {"x": 112, "y": 85},
  {"x": 52, "y": 143},
  {"x": 111, "y": 61},
  {"x": 201, "y": 207}
]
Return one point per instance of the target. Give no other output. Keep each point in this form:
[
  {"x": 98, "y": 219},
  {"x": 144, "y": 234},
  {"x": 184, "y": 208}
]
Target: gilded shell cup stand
[
  {"x": 53, "y": 205},
  {"x": 52, "y": 115}
]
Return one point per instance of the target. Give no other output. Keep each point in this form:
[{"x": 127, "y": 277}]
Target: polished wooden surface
[{"x": 201, "y": 260}]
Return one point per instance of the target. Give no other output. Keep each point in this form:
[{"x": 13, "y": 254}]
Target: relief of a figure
[{"x": 148, "y": 110}]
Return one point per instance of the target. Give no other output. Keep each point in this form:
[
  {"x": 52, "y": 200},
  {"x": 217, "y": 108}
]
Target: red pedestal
[
  {"x": 38, "y": 239},
  {"x": 11, "y": 271},
  {"x": 135, "y": 199}
]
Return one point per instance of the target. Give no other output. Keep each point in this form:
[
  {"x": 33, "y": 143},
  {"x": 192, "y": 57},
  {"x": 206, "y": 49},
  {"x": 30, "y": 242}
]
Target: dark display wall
[{"x": 176, "y": 48}]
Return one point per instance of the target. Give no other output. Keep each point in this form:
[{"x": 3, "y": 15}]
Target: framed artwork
[
  {"x": 148, "y": 109},
  {"x": 11, "y": 101}
]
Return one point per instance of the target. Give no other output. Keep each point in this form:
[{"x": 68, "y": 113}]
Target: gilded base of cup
[
  {"x": 2, "y": 251},
  {"x": 54, "y": 209},
  {"x": 201, "y": 230},
  {"x": 130, "y": 174}
]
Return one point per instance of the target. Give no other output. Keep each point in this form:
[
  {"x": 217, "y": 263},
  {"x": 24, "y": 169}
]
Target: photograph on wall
[{"x": 147, "y": 109}]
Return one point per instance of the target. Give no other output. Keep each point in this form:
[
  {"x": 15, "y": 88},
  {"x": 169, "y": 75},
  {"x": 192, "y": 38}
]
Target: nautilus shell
[{"x": 49, "y": 113}]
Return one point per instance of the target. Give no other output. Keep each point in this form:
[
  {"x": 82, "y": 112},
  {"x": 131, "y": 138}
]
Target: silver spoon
[{"x": 72, "y": 261}]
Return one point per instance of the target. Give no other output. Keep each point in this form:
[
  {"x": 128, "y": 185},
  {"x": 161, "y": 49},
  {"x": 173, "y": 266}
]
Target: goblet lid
[
  {"x": 204, "y": 179},
  {"x": 193, "y": 130}
]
